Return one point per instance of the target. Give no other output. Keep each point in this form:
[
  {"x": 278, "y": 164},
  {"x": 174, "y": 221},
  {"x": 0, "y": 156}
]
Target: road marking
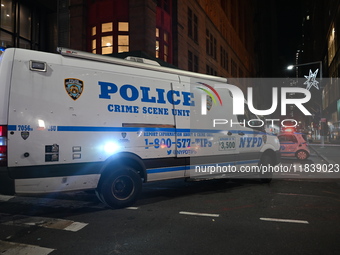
[
  {"x": 285, "y": 220},
  {"x": 132, "y": 208},
  {"x": 302, "y": 195},
  {"x": 53, "y": 202},
  {"x": 200, "y": 214},
  {"x": 5, "y": 198},
  {"x": 10, "y": 248},
  {"x": 22, "y": 220}
]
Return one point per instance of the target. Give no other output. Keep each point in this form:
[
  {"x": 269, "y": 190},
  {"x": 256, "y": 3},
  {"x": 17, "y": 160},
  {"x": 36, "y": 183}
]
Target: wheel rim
[
  {"x": 123, "y": 187},
  {"x": 302, "y": 155}
]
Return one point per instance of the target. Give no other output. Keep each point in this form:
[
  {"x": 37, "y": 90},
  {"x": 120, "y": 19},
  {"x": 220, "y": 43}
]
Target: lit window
[
  {"x": 94, "y": 30},
  {"x": 162, "y": 45},
  {"x": 123, "y": 43},
  {"x": 166, "y": 37},
  {"x": 157, "y": 49},
  {"x": 166, "y": 53},
  {"x": 107, "y": 47},
  {"x": 94, "y": 45},
  {"x": 331, "y": 46},
  {"x": 123, "y": 26},
  {"x": 107, "y": 27}
]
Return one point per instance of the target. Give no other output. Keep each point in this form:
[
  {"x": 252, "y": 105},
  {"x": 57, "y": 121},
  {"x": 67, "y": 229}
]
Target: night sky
[{"x": 289, "y": 32}]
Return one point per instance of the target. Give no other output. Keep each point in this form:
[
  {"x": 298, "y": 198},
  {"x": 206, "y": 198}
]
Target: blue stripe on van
[
  {"x": 136, "y": 129},
  {"x": 12, "y": 128}
]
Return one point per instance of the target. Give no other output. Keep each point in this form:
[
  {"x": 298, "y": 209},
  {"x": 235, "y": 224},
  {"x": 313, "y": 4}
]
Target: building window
[
  {"x": 165, "y": 5},
  {"x": 211, "y": 44},
  {"x": 17, "y": 25},
  {"x": 240, "y": 72},
  {"x": 192, "y": 25},
  {"x": 123, "y": 26},
  {"x": 113, "y": 37},
  {"x": 233, "y": 68},
  {"x": 107, "y": 44},
  {"x": 210, "y": 70},
  {"x": 164, "y": 30},
  {"x": 94, "y": 46},
  {"x": 123, "y": 43},
  {"x": 123, "y": 37},
  {"x": 224, "y": 59},
  {"x": 162, "y": 45},
  {"x": 331, "y": 46},
  {"x": 157, "y": 42},
  {"x": 192, "y": 62},
  {"x": 25, "y": 22},
  {"x": 107, "y": 27}
]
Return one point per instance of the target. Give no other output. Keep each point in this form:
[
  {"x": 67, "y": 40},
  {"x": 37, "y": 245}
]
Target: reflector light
[
  {"x": 3, "y": 145},
  {"x": 3, "y": 149}
]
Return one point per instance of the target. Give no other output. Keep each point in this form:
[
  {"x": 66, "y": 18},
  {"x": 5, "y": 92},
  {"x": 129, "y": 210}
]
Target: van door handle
[
  {"x": 229, "y": 133},
  {"x": 240, "y": 133}
]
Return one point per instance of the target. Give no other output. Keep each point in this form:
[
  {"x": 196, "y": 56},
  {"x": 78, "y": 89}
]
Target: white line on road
[
  {"x": 131, "y": 208},
  {"x": 23, "y": 220},
  {"x": 9, "y": 248},
  {"x": 285, "y": 220},
  {"x": 200, "y": 214},
  {"x": 5, "y": 198}
]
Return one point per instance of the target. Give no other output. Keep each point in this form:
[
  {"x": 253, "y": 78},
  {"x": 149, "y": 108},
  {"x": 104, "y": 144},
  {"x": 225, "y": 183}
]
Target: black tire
[
  {"x": 266, "y": 177},
  {"x": 302, "y": 154},
  {"x": 119, "y": 188}
]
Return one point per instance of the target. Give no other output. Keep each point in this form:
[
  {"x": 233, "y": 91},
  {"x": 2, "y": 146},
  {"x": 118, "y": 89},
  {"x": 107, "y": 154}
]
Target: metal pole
[{"x": 321, "y": 88}]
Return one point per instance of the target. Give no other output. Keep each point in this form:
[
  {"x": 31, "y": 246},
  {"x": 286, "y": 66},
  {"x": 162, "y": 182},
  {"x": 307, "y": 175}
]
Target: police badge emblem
[
  {"x": 25, "y": 134},
  {"x": 74, "y": 87}
]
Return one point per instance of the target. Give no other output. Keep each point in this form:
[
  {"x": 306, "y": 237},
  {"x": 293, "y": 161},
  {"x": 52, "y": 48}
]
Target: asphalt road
[{"x": 291, "y": 215}]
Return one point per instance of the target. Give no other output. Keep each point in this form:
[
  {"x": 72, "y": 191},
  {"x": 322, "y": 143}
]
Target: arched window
[{"x": 109, "y": 27}]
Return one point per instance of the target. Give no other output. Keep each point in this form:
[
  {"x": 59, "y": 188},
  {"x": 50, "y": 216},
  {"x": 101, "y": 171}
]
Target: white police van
[{"x": 77, "y": 121}]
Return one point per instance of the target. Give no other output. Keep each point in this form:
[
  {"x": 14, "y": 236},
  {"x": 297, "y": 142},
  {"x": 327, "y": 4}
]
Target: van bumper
[{"x": 7, "y": 186}]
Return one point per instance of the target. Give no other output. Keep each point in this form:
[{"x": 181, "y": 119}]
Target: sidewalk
[{"x": 330, "y": 152}]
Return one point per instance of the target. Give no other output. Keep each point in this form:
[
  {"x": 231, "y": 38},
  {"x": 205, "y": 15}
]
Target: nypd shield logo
[
  {"x": 74, "y": 87},
  {"x": 25, "y": 135}
]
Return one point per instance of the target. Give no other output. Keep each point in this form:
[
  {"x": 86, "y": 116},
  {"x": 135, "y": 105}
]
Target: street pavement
[
  {"x": 296, "y": 213},
  {"x": 330, "y": 152}
]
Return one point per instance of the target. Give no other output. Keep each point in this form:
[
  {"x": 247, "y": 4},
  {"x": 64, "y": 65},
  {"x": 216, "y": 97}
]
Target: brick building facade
[{"x": 205, "y": 36}]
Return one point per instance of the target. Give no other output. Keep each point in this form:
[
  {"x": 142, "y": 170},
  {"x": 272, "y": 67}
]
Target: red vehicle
[{"x": 293, "y": 145}]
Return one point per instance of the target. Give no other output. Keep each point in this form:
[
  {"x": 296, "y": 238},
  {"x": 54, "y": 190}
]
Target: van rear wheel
[{"x": 119, "y": 188}]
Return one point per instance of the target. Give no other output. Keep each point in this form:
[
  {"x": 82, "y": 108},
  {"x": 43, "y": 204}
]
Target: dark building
[
  {"x": 28, "y": 24},
  {"x": 213, "y": 37},
  {"x": 320, "y": 42}
]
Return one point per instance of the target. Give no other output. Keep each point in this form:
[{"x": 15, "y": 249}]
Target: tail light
[{"x": 3, "y": 145}]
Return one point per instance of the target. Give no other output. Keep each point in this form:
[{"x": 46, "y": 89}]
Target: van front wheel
[
  {"x": 266, "y": 175},
  {"x": 120, "y": 188}
]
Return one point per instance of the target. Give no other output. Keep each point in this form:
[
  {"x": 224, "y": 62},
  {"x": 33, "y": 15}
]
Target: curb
[{"x": 329, "y": 161}]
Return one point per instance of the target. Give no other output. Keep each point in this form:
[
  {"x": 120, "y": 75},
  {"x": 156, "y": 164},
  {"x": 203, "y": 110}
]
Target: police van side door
[
  {"x": 202, "y": 143},
  {"x": 251, "y": 137}
]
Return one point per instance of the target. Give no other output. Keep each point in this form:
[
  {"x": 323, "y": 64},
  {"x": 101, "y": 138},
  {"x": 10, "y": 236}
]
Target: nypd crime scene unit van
[{"x": 77, "y": 121}]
